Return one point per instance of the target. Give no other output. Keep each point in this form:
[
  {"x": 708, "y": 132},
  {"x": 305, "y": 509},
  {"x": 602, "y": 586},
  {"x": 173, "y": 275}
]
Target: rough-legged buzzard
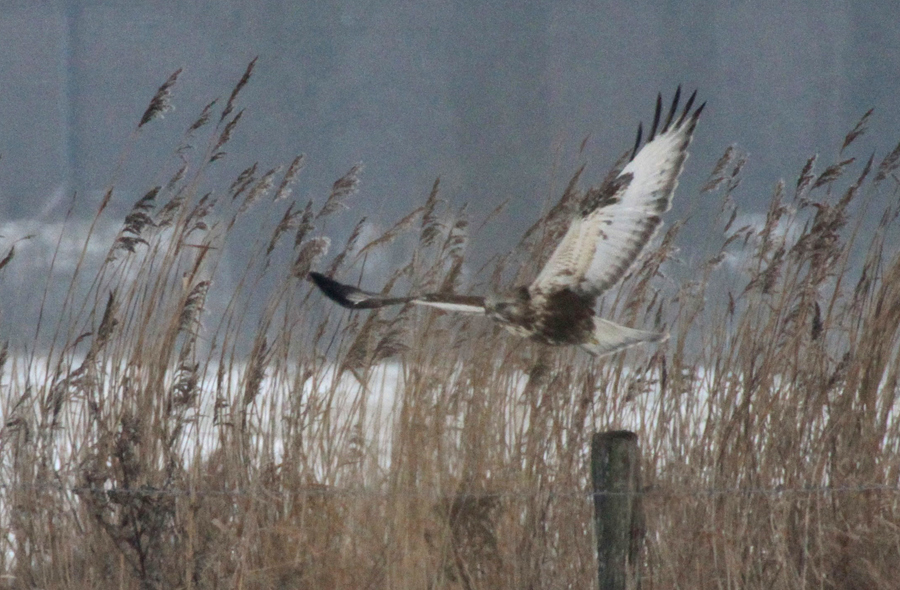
[{"x": 610, "y": 230}]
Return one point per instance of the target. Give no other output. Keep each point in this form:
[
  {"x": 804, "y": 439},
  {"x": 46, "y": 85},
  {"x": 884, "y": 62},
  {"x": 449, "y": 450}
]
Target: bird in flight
[{"x": 612, "y": 226}]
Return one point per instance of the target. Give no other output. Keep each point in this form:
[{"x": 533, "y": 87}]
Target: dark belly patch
[{"x": 567, "y": 318}]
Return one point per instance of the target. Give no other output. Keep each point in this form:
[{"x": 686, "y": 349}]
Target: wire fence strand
[{"x": 330, "y": 491}]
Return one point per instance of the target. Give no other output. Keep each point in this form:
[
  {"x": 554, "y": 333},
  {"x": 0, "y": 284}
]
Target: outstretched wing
[
  {"x": 353, "y": 298},
  {"x": 616, "y": 221}
]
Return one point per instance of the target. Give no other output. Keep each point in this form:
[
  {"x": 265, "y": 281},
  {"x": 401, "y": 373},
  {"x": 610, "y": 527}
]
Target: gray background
[{"x": 493, "y": 97}]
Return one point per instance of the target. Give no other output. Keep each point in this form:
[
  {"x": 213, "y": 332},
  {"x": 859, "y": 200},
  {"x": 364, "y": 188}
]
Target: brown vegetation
[{"x": 159, "y": 433}]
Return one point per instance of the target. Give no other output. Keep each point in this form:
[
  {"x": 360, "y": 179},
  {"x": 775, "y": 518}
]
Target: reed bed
[{"x": 161, "y": 432}]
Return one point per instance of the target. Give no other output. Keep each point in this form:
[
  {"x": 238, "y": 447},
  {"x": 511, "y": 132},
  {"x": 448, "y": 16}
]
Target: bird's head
[{"x": 509, "y": 308}]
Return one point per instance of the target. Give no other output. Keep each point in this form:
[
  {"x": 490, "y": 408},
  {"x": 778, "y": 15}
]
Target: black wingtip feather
[
  {"x": 670, "y": 118},
  {"x": 637, "y": 141},
  {"x": 687, "y": 108},
  {"x": 656, "y": 117},
  {"x": 672, "y": 109},
  {"x": 333, "y": 289}
]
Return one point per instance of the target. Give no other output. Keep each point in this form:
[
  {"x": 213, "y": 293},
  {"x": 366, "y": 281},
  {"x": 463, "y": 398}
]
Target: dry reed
[{"x": 155, "y": 444}]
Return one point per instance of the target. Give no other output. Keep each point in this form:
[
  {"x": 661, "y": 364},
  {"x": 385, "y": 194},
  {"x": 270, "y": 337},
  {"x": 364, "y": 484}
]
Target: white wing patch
[
  {"x": 619, "y": 219},
  {"x": 451, "y": 305}
]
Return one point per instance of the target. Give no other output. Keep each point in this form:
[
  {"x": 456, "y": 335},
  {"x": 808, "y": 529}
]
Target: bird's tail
[{"x": 609, "y": 337}]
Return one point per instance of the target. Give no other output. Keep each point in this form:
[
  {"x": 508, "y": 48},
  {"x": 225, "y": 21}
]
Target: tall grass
[{"x": 161, "y": 433}]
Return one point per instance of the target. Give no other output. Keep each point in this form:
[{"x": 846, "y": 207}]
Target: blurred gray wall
[
  {"x": 482, "y": 94},
  {"x": 493, "y": 97}
]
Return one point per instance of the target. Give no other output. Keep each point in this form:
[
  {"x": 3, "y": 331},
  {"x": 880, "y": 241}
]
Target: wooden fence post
[{"x": 618, "y": 510}]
